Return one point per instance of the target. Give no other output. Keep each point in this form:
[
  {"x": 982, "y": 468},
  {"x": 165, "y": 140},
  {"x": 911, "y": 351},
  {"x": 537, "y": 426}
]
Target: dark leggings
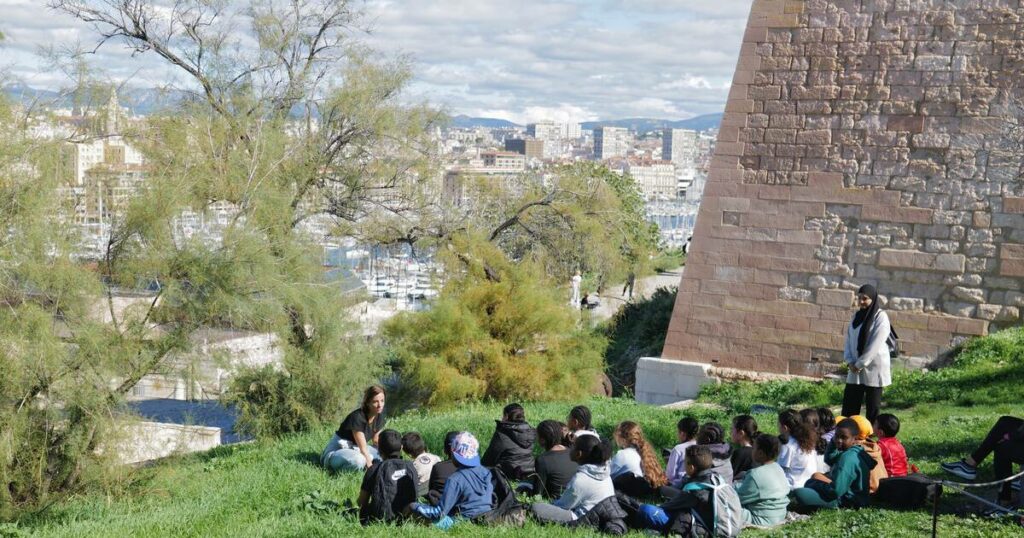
[
  {"x": 1006, "y": 452},
  {"x": 855, "y": 395}
]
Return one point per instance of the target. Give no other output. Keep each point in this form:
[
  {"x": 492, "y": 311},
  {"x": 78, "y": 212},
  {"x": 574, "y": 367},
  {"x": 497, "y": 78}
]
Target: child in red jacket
[{"x": 894, "y": 456}]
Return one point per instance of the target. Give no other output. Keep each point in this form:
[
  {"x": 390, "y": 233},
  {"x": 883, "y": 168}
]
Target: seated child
[
  {"x": 871, "y": 448},
  {"x": 413, "y": 445},
  {"x": 467, "y": 493},
  {"x": 764, "y": 492},
  {"x": 388, "y": 487},
  {"x": 689, "y": 510},
  {"x": 798, "y": 456},
  {"x": 555, "y": 467},
  {"x": 827, "y": 422},
  {"x": 442, "y": 470},
  {"x": 894, "y": 456},
  {"x": 591, "y": 484},
  {"x": 511, "y": 447},
  {"x": 744, "y": 429},
  {"x": 675, "y": 469},
  {"x": 634, "y": 469},
  {"x": 810, "y": 419},
  {"x": 712, "y": 435},
  {"x": 847, "y": 483},
  {"x": 579, "y": 423}
]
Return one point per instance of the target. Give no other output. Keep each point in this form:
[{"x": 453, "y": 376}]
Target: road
[{"x": 612, "y": 299}]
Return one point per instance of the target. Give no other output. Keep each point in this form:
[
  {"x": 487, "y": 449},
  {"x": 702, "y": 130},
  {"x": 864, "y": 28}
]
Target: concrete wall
[
  {"x": 864, "y": 141},
  {"x": 145, "y": 441}
]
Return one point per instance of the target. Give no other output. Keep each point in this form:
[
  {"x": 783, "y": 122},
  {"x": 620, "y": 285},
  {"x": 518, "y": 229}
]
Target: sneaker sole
[{"x": 957, "y": 472}]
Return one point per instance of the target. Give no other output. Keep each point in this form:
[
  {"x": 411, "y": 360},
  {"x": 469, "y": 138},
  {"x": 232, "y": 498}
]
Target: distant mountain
[
  {"x": 463, "y": 121},
  {"x": 138, "y": 100},
  {"x": 645, "y": 125}
]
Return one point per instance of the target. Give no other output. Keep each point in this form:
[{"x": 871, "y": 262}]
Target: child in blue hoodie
[
  {"x": 847, "y": 484},
  {"x": 591, "y": 484},
  {"x": 468, "y": 492}
]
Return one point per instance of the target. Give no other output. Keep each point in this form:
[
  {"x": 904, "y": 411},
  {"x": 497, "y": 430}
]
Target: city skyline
[{"x": 560, "y": 60}]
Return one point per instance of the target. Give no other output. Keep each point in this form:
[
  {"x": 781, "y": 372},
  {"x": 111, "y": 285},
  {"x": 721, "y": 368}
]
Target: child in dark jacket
[
  {"x": 675, "y": 516},
  {"x": 389, "y": 486},
  {"x": 441, "y": 471},
  {"x": 555, "y": 467},
  {"x": 511, "y": 447},
  {"x": 712, "y": 435},
  {"x": 894, "y": 456},
  {"x": 847, "y": 483},
  {"x": 744, "y": 430}
]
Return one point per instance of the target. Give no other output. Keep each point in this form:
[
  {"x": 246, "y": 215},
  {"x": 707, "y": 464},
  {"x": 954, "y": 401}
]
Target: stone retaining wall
[{"x": 864, "y": 141}]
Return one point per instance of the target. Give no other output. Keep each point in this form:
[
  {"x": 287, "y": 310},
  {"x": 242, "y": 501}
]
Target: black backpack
[
  {"x": 911, "y": 491},
  {"x": 394, "y": 488},
  {"x": 506, "y": 508}
]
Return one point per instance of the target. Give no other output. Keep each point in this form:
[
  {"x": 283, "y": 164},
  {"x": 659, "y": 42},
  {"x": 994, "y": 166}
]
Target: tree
[
  {"x": 298, "y": 133},
  {"x": 500, "y": 332}
]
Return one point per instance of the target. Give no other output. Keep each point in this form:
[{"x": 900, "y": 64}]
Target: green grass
[{"x": 258, "y": 489}]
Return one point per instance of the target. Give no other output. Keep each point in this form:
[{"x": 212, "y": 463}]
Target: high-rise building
[
  {"x": 531, "y": 148},
  {"x": 544, "y": 130},
  {"x": 610, "y": 142},
  {"x": 680, "y": 146}
]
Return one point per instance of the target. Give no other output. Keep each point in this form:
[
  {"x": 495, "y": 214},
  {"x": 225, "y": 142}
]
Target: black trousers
[
  {"x": 854, "y": 397},
  {"x": 1007, "y": 451}
]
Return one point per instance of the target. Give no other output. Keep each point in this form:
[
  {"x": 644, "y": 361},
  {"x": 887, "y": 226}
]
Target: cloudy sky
[{"x": 519, "y": 60}]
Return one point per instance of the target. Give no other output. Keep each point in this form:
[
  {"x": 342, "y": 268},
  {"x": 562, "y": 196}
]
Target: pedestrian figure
[
  {"x": 867, "y": 355},
  {"x": 574, "y": 300},
  {"x": 630, "y": 282}
]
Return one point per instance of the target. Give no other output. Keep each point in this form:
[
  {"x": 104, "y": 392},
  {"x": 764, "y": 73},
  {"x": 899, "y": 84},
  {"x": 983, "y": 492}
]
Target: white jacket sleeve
[
  {"x": 850, "y": 347},
  {"x": 570, "y": 498},
  {"x": 879, "y": 334}
]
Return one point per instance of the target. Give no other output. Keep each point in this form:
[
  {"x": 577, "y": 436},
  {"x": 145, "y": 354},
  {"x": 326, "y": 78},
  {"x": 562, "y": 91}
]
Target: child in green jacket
[
  {"x": 764, "y": 492},
  {"x": 847, "y": 483}
]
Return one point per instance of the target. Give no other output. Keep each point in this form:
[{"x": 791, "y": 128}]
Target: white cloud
[{"x": 524, "y": 60}]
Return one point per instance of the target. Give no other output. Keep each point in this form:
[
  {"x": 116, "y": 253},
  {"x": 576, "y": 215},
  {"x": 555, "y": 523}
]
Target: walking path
[{"x": 612, "y": 299}]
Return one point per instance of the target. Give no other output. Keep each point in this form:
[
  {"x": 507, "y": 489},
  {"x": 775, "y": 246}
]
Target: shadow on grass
[{"x": 307, "y": 457}]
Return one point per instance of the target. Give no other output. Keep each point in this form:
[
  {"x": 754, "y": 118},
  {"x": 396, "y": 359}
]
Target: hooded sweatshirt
[
  {"x": 590, "y": 485},
  {"x": 851, "y": 477},
  {"x": 468, "y": 492},
  {"x": 878, "y": 472},
  {"x": 721, "y": 454},
  {"x": 511, "y": 449}
]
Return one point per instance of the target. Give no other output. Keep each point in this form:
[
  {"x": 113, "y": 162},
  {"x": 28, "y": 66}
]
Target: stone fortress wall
[{"x": 864, "y": 142}]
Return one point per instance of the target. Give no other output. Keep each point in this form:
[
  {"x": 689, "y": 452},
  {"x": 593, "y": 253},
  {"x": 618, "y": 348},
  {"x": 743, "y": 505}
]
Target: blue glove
[
  {"x": 445, "y": 523},
  {"x": 427, "y": 511},
  {"x": 653, "y": 516}
]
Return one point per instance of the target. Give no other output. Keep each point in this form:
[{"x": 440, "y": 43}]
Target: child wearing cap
[
  {"x": 871, "y": 448},
  {"x": 468, "y": 492}
]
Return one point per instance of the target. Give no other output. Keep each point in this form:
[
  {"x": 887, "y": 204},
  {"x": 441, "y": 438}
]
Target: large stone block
[{"x": 869, "y": 157}]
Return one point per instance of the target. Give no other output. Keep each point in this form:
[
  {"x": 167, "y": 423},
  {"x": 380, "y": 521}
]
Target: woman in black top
[
  {"x": 555, "y": 466},
  {"x": 351, "y": 448}
]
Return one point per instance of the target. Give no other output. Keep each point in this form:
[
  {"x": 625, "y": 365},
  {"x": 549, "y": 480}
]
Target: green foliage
[
  {"x": 637, "y": 330},
  {"x": 985, "y": 371},
  {"x": 667, "y": 260},
  {"x": 498, "y": 331}
]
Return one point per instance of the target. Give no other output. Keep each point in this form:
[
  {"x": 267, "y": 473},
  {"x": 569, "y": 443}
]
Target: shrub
[
  {"x": 504, "y": 333},
  {"x": 637, "y": 330}
]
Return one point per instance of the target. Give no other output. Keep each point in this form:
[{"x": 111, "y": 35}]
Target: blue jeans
[{"x": 343, "y": 455}]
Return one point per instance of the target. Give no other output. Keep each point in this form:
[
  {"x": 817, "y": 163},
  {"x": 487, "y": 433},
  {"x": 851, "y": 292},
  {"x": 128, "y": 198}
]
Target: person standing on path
[
  {"x": 630, "y": 282},
  {"x": 574, "y": 300},
  {"x": 867, "y": 355}
]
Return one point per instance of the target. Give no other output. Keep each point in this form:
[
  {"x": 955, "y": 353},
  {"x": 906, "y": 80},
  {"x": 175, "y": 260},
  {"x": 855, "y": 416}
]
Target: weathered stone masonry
[{"x": 864, "y": 141}]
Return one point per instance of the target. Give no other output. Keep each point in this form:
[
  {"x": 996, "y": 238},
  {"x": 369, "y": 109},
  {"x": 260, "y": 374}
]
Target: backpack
[
  {"x": 893, "y": 343},
  {"x": 507, "y": 510},
  {"x": 394, "y": 488},
  {"x": 725, "y": 507},
  {"x": 911, "y": 491}
]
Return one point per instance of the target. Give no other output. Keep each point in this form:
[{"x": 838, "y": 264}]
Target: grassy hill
[{"x": 277, "y": 489}]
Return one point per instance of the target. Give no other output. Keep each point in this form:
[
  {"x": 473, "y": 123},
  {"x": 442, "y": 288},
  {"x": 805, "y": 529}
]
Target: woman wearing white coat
[{"x": 867, "y": 355}]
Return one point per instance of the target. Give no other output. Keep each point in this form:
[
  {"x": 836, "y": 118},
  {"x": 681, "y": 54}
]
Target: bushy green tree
[
  {"x": 499, "y": 331},
  {"x": 289, "y": 123}
]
